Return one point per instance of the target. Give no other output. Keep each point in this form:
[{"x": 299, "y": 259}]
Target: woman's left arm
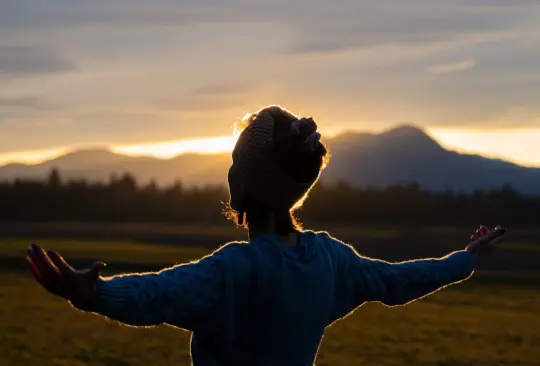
[
  {"x": 400, "y": 283},
  {"x": 366, "y": 279}
]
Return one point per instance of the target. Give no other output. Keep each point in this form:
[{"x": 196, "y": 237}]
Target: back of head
[{"x": 277, "y": 159}]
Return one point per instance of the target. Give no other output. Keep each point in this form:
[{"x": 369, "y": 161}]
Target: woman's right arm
[{"x": 186, "y": 296}]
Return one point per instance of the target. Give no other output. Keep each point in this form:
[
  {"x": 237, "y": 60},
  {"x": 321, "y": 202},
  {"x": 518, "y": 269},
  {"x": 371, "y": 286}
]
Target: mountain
[
  {"x": 100, "y": 165},
  {"x": 401, "y": 155},
  {"x": 407, "y": 154}
]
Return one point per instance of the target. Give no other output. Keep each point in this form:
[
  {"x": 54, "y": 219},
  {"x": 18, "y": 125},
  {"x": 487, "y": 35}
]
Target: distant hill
[
  {"x": 401, "y": 155},
  {"x": 100, "y": 165},
  {"x": 407, "y": 154}
]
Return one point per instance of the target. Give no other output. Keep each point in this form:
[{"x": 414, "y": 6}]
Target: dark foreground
[{"x": 493, "y": 319}]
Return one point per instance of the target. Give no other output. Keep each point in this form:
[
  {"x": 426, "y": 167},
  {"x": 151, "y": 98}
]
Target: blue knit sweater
[{"x": 267, "y": 303}]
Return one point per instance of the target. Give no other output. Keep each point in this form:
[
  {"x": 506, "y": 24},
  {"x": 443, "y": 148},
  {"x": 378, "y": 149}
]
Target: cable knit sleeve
[
  {"x": 363, "y": 279},
  {"x": 185, "y": 295}
]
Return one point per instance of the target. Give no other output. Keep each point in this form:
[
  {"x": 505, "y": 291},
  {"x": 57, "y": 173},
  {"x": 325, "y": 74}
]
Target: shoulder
[
  {"x": 230, "y": 257},
  {"x": 326, "y": 240},
  {"x": 231, "y": 251},
  {"x": 335, "y": 247}
]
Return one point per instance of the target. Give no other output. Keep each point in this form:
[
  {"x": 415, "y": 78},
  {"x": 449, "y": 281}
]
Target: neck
[{"x": 268, "y": 229}]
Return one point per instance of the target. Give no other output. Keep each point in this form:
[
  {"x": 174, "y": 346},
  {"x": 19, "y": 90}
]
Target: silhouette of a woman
[{"x": 267, "y": 301}]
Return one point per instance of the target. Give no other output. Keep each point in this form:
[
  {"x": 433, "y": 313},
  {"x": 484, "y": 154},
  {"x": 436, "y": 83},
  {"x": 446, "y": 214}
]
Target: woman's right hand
[
  {"x": 484, "y": 241},
  {"x": 57, "y": 277}
]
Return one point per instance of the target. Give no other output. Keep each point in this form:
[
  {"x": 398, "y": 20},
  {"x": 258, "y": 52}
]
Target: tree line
[{"x": 122, "y": 199}]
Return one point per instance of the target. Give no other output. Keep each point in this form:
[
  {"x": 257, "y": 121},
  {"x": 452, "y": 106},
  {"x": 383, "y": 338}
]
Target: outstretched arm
[
  {"x": 184, "y": 295},
  {"x": 400, "y": 283},
  {"x": 365, "y": 279}
]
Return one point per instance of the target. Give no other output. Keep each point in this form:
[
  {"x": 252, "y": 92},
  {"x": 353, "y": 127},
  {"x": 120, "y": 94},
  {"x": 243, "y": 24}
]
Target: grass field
[{"x": 477, "y": 323}]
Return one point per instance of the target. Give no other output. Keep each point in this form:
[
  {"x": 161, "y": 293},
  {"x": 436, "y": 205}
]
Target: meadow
[{"x": 493, "y": 319}]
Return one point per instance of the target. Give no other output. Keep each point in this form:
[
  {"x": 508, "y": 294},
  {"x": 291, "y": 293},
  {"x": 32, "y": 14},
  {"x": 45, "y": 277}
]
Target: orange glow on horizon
[
  {"x": 516, "y": 145},
  {"x": 169, "y": 149},
  {"x": 31, "y": 157},
  {"x": 519, "y": 146}
]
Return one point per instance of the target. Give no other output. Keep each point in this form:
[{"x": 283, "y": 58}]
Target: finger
[
  {"x": 42, "y": 261},
  {"x": 479, "y": 232},
  {"x": 33, "y": 269},
  {"x": 486, "y": 239},
  {"x": 484, "y": 230},
  {"x": 97, "y": 268},
  {"x": 90, "y": 275},
  {"x": 494, "y": 235},
  {"x": 60, "y": 263},
  {"x": 43, "y": 281}
]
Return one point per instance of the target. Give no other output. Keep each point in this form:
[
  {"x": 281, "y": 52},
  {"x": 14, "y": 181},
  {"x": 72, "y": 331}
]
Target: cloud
[
  {"x": 321, "y": 26},
  {"x": 353, "y": 25},
  {"x": 26, "y": 102},
  {"x": 20, "y": 61},
  {"x": 27, "y": 111},
  {"x": 213, "y": 97},
  {"x": 452, "y": 67},
  {"x": 29, "y": 14},
  {"x": 197, "y": 64}
]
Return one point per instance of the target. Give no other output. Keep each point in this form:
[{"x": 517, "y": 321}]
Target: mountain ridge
[{"x": 400, "y": 155}]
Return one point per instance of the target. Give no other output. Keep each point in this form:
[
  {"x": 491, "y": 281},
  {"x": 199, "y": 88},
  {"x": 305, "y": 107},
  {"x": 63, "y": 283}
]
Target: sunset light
[
  {"x": 516, "y": 145},
  {"x": 31, "y": 157},
  {"x": 165, "y": 150}
]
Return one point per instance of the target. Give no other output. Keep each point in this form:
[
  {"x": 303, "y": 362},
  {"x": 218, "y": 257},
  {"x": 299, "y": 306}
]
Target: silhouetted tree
[
  {"x": 55, "y": 180},
  {"x": 123, "y": 199}
]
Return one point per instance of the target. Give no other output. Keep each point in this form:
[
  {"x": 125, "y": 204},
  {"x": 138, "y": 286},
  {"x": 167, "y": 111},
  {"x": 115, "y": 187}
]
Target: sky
[{"x": 162, "y": 77}]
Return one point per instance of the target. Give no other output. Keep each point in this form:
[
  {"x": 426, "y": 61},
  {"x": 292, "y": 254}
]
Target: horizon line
[{"x": 448, "y": 138}]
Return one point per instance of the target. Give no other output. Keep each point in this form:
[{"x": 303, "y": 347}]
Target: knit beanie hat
[{"x": 256, "y": 172}]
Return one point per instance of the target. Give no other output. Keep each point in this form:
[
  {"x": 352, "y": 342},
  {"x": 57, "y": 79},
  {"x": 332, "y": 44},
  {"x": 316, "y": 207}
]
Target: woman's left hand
[{"x": 484, "y": 241}]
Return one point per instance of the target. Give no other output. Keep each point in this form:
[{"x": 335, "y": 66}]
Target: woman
[{"x": 267, "y": 301}]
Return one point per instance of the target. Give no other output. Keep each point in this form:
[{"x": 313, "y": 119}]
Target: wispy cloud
[
  {"x": 127, "y": 71},
  {"x": 25, "y": 101},
  {"x": 22, "y": 61},
  {"x": 452, "y": 67}
]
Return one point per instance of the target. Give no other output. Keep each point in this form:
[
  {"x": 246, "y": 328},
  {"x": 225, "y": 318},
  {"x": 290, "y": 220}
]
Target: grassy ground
[{"x": 476, "y": 323}]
